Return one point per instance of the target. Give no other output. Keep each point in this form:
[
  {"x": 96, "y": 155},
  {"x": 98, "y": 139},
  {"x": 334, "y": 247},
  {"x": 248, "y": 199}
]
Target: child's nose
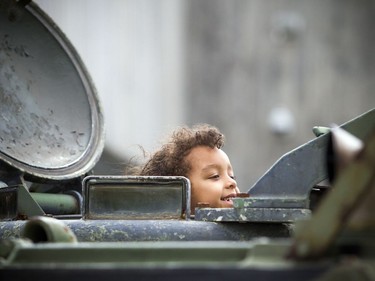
[{"x": 231, "y": 183}]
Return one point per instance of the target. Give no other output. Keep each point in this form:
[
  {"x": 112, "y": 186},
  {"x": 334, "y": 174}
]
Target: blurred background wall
[{"x": 264, "y": 72}]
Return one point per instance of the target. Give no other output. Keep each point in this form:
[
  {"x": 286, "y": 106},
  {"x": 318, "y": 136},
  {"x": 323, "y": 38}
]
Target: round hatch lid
[{"x": 51, "y": 123}]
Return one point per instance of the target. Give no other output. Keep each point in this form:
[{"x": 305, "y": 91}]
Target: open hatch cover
[{"x": 51, "y": 123}]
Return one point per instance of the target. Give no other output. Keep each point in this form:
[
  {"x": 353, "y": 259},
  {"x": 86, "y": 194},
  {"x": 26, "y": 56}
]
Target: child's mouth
[{"x": 228, "y": 198}]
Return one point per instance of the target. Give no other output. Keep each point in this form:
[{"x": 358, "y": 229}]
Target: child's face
[{"x": 211, "y": 177}]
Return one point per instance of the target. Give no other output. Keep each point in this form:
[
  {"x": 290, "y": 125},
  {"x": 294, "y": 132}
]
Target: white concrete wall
[{"x": 133, "y": 50}]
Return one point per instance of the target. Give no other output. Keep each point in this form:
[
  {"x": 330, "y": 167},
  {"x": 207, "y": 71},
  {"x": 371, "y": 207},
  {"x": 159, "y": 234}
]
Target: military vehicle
[{"x": 60, "y": 221}]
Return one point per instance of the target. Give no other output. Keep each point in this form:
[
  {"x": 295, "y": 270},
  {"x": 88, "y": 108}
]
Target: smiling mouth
[{"x": 228, "y": 198}]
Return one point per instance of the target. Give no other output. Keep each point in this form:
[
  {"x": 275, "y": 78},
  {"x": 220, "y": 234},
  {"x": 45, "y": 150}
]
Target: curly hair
[{"x": 169, "y": 160}]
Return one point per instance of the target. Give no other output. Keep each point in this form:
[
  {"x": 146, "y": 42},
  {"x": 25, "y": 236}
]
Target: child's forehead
[
  {"x": 206, "y": 155},
  {"x": 203, "y": 150}
]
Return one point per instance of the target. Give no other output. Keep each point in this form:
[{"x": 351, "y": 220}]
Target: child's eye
[
  {"x": 233, "y": 177},
  {"x": 214, "y": 177}
]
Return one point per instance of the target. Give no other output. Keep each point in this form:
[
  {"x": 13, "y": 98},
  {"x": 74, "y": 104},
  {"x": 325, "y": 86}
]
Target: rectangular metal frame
[{"x": 136, "y": 197}]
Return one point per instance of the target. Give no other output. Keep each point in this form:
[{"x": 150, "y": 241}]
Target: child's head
[{"x": 196, "y": 154}]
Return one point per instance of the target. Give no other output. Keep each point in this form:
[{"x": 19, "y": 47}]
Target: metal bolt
[{"x": 242, "y": 195}]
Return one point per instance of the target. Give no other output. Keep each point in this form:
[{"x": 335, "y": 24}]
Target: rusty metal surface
[
  {"x": 50, "y": 118},
  {"x": 263, "y": 214},
  {"x": 159, "y": 230}
]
